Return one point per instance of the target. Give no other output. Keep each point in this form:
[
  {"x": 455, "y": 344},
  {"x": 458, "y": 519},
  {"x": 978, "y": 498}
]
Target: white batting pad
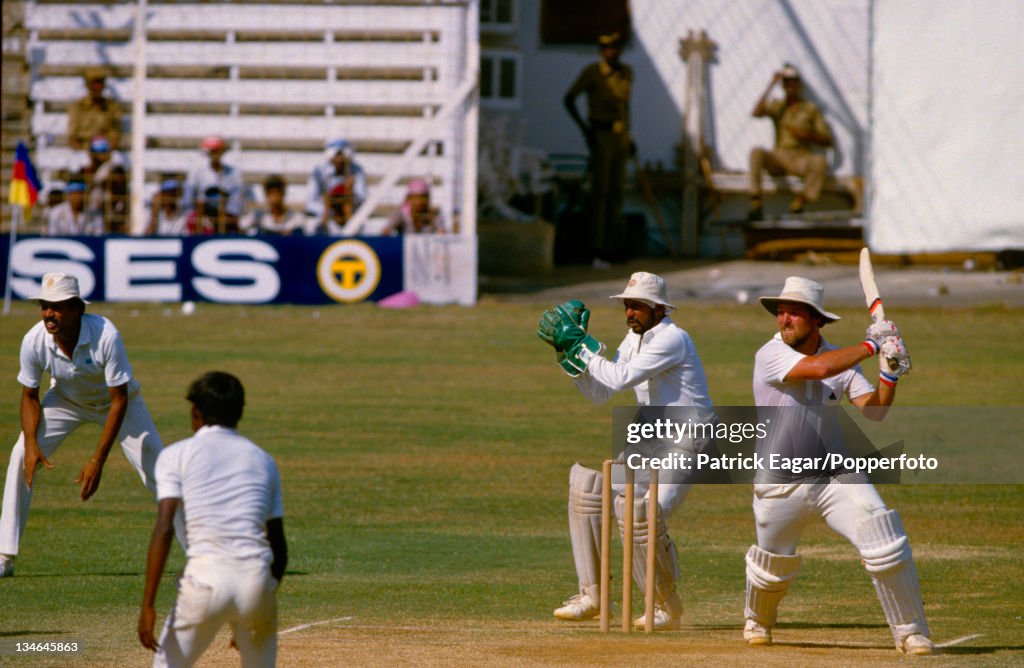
[
  {"x": 768, "y": 578},
  {"x": 885, "y": 549},
  {"x": 666, "y": 557},
  {"x": 585, "y": 526}
]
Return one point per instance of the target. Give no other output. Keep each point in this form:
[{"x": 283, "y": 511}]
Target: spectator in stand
[
  {"x": 339, "y": 167},
  {"x": 274, "y": 217},
  {"x": 94, "y": 115},
  {"x": 115, "y": 201},
  {"x": 339, "y": 211},
  {"x": 71, "y": 217},
  {"x": 108, "y": 185},
  {"x": 166, "y": 217},
  {"x": 51, "y": 197},
  {"x": 214, "y": 193},
  {"x": 416, "y": 216}
]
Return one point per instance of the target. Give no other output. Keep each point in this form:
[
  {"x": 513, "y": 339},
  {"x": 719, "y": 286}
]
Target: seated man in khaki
[
  {"x": 799, "y": 128},
  {"x": 95, "y": 115}
]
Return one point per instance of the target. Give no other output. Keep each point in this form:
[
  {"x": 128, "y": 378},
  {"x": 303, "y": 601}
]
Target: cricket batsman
[
  {"x": 803, "y": 377},
  {"x": 659, "y": 362}
]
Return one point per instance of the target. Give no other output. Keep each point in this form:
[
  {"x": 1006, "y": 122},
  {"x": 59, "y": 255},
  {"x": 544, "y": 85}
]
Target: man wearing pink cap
[
  {"x": 91, "y": 381},
  {"x": 415, "y": 216},
  {"x": 800, "y": 379},
  {"x": 659, "y": 362}
]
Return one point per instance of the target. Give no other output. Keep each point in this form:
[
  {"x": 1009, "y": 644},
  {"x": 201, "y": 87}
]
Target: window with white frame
[
  {"x": 497, "y": 15},
  {"x": 500, "y": 73}
]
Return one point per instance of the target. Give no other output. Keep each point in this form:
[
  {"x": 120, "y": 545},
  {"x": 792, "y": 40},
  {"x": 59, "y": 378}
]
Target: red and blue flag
[{"x": 25, "y": 185}]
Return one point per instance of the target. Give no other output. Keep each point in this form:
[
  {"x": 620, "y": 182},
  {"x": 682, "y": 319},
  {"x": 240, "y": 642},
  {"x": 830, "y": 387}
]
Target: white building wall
[{"x": 826, "y": 39}]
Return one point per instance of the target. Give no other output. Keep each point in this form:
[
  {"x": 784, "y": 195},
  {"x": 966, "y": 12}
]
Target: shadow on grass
[
  {"x": 989, "y": 649},
  {"x": 31, "y": 632}
]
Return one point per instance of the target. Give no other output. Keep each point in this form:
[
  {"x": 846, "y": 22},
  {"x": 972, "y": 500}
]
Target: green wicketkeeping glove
[
  {"x": 576, "y": 311},
  {"x": 571, "y": 366},
  {"x": 564, "y": 325},
  {"x": 582, "y": 352}
]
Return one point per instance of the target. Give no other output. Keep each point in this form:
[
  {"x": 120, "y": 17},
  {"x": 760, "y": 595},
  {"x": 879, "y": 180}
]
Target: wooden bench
[{"x": 277, "y": 80}]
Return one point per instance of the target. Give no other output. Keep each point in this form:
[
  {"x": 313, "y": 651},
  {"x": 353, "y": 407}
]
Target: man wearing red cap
[
  {"x": 799, "y": 380},
  {"x": 215, "y": 192},
  {"x": 657, "y": 360}
]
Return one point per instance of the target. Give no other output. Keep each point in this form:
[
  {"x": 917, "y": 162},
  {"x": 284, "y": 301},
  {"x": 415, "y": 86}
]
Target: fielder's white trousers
[
  {"x": 781, "y": 511},
  {"x": 138, "y": 437},
  {"x": 216, "y": 591}
]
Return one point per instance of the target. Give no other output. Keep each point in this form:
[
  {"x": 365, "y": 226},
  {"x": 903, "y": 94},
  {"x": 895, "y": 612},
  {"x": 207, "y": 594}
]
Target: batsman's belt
[{"x": 618, "y": 127}]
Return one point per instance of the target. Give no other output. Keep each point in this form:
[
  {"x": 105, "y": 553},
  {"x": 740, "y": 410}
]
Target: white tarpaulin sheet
[{"x": 947, "y": 126}]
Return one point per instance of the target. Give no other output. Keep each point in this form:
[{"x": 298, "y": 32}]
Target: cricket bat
[{"x": 871, "y": 296}]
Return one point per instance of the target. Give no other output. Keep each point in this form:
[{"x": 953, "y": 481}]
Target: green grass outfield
[{"x": 424, "y": 456}]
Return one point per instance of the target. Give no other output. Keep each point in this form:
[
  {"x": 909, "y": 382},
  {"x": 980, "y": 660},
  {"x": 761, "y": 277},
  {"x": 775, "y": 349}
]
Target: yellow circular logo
[{"x": 348, "y": 271}]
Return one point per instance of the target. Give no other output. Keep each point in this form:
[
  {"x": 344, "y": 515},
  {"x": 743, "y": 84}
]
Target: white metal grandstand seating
[{"x": 275, "y": 79}]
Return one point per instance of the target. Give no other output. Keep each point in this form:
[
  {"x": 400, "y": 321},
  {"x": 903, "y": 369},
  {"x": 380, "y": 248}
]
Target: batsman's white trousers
[
  {"x": 138, "y": 437},
  {"x": 783, "y": 510},
  {"x": 214, "y": 591}
]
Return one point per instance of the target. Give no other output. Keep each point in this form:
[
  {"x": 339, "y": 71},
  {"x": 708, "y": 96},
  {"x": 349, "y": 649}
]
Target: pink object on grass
[{"x": 403, "y": 299}]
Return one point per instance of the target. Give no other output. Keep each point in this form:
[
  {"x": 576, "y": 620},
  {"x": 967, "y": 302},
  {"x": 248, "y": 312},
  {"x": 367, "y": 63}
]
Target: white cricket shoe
[
  {"x": 663, "y": 621},
  {"x": 6, "y": 566},
  {"x": 757, "y": 634},
  {"x": 667, "y": 615},
  {"x": 917, "y": 645},
  {"x": 578, "y": 608}
]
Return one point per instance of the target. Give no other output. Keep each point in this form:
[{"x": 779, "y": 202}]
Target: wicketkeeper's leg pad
[
  {"x": 666, "y": 561},
  {"x": 885, "y": 550},
  {"x": 768, "y": 578},
  {"x": 585, "y": 526}
]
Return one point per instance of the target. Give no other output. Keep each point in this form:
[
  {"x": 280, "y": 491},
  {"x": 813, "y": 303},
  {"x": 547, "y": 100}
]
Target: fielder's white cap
[
  {"x": 58, "y": 287},
  {"x": 647, "y": 288},
  {"x": 802, "y": 291}
]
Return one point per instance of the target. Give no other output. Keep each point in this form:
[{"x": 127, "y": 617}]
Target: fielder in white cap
[
  {"x": 803, "y": 378},
  {"x": 90, "y": 382},
  {"x": 659, "y": 362}
]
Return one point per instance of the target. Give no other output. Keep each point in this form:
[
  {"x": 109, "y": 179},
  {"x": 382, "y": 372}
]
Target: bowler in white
[{"x": 230, "y": 490}]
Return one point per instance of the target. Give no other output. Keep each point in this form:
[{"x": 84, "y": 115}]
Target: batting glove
[
  {"x": 895, "y": 360},
  {"x": 878, "y": 332}
]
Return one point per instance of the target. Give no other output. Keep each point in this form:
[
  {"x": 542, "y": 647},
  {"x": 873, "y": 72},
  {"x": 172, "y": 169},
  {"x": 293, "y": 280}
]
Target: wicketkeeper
[
  {"x": 804, "y": 378},
  {"x": 659, "y": 361}
]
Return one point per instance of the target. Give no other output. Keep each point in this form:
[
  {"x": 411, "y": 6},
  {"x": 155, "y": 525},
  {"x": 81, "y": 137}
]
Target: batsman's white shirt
[
  {"x": 99, "y": 361},
  {"x": 661, "y": 366},
  {"x": 229, "y": 488},
  {"x": 805, "y": 417},
  {"x": 776, "y": 359}
]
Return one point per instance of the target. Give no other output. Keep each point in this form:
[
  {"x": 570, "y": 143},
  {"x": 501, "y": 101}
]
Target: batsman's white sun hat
[
  {"x": 58, "y": 287},
  {"x": 647, "y": 288},
  {"x": 802, "y": 291}
]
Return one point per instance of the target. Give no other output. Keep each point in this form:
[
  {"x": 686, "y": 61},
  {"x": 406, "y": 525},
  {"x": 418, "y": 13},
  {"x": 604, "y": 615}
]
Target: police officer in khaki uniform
[
  {"x": 607, "y": 85},
  {"x": 800, "y": 129},
  {"x": 94, "y": 115}
]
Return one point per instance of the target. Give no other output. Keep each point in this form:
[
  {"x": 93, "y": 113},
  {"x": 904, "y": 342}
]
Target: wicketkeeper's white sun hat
[
  {"x": 802, "y": 291},
  {"x": 58, "y": 287},
  {"x": 647, "y": 288}
]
